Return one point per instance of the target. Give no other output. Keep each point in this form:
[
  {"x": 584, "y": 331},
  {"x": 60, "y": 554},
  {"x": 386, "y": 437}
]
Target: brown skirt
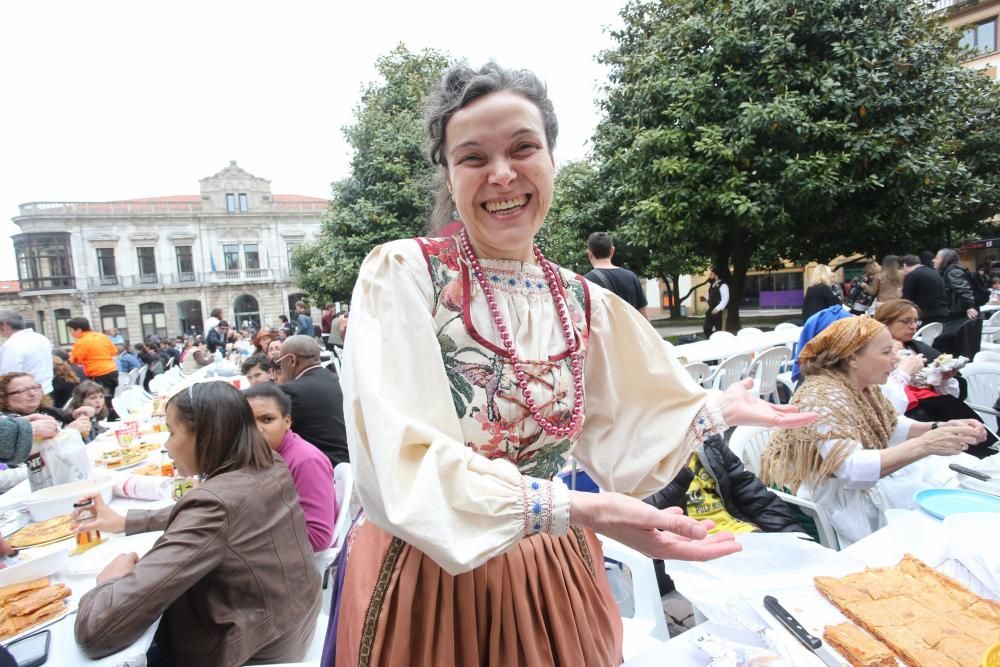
[{"x": 545, "y": 601}]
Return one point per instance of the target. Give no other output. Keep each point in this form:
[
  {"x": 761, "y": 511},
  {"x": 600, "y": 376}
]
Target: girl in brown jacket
[{"x": 232, "y": 575}]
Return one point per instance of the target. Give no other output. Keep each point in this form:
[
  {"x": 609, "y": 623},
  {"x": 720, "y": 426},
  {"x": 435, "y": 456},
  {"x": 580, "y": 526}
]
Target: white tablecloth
[{"x": 713, "y": 350}]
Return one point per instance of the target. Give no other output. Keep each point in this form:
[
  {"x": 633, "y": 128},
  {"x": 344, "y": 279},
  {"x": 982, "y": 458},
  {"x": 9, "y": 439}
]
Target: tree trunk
[
  {"x": 675, "y": 292},
  {"x": 742, "y": 251}
]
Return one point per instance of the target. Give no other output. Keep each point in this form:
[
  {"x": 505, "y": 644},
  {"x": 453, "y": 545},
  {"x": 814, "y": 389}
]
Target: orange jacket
[{"x": 96, "y": 353}]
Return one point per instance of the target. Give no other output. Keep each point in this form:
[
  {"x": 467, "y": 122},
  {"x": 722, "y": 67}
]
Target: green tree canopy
[
  {"x": 754, "y": 131},
  {"x": 388, "y": 193}
]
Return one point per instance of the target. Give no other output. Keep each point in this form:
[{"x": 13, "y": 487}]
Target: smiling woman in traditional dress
[{"x": 474, "y": 368}]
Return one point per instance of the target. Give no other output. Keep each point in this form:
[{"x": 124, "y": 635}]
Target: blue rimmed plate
[{"x": 945, "y": 502}]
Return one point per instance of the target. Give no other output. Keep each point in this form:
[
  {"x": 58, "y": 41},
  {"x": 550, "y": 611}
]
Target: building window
[
  {"x": 106, "y": 266},
  {"x": 291, "y": 250},
  {"x": 243, "y": 202},
  {"x": 113, "y": 316},
  {"x": 44, "y": 261},
  {"x": 230, "y": 202},
  {"x": 247, "y": 312},
  {"x": 185, "y": 264},
  {"x": 62, "y": 316},
  {"x": 154, "y": 320},
  {"x": 147, "y": 264},
  {"x": 982, "y": 37},
  {"x": 251, "y": 255},
  {"x": 41, "y": 322},
  {"x": 231, "y": 256}
]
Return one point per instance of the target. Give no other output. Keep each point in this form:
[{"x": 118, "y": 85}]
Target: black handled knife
[
  {"x": 811, "y": 642},
  {"x": 975, "y": 474}
]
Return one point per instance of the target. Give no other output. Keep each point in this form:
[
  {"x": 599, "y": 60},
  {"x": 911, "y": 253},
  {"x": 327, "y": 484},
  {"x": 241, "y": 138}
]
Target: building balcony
[
  {"x": 947, "y": 5},
  {"x": 187, "y": 279},
  {"x": 160, "y": 208}
]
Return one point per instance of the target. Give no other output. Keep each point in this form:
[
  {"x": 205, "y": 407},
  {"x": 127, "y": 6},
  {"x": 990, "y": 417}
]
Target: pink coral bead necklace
[{"x": 507, "y": 341}]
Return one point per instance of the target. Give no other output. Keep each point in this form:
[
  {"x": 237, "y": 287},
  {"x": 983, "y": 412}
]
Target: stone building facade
[{"x": 160, "y": 265}]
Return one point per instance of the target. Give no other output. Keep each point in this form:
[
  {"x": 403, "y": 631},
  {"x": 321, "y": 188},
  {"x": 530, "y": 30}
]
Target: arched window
[
  {"x": 113, "y": 316},
  {"x": 247, "y": 312},
  {"x": 154, "y": 320},
  {"x": 189, "y": 315}
]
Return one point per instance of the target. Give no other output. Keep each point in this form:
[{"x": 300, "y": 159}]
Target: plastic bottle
[{"x": 166, "y": 464}]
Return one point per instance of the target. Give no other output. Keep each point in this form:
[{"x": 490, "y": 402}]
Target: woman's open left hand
[
  {"x": 741, "y": 406},
  {"x": 667, "y": 533}
]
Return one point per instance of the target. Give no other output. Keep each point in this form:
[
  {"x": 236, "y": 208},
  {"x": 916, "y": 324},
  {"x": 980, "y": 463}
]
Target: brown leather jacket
[{"x": 232, "y": 576}]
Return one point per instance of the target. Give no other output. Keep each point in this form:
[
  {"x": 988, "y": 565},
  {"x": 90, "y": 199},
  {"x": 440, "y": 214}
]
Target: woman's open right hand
[
  {"x": 948, "y": 439},
  {"x": 107, "y": 519},
  {"x": 657, "y": 533}
]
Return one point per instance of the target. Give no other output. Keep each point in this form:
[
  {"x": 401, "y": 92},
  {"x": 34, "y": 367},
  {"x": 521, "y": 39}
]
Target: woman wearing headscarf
[{"x": 859, "y": 458}]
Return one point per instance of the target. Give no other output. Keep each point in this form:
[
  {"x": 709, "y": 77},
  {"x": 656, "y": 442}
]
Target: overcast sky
[{"x": 117, "y": 100}]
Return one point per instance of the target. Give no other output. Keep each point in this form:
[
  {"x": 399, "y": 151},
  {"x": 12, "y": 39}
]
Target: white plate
[
  {"x": 129, "y": 466},
  {"x": 41, "y": 626},
  {"x": 37, "y": 564},
  {"x": 92, "y": 561},
  {"x": 991, "y": 487}
]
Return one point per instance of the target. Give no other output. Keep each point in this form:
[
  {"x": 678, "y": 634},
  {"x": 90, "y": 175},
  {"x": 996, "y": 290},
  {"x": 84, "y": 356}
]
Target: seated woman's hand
[
  {"x": 666, "y": 534},
  {"x": 950, "y": 438},
  {"x": 911, "y": 363},
  {"x": 81, "y": 424},
  {"x": 84, "y": 411},
  {"x": 741, "y": 406},
  {"x": 122, "y": 564},
  {"x": 43, "y": 426},
  {"x": 974, "y": 424},
  {"x": 107, "y": 519}
]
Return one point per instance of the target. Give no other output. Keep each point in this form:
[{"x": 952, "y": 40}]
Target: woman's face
[
  {"x": 903, "y": 328},
  {"x": 500, "y": 173},
  {"x": 274, "y": 349},
  {"x": 180, "y": 444},
  {"x": 23, "y": 395},
  {"x": 875, "y": 361},
  {"x": 95, "y": 400},
  {"x": 938, "y": 261}
]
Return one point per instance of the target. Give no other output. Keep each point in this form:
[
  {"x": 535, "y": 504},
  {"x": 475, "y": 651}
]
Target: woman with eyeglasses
[
  {"x": 942, "y": 403},
  {"x": 21, "y": 395}
]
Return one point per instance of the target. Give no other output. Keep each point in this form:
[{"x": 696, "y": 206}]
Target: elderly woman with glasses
[
  {"x": 21, "y": 395},
  {"x": 939, "y": 403}
]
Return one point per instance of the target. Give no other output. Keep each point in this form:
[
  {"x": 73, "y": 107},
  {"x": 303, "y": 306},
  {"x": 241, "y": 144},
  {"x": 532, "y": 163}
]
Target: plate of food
[
  {"x": 122, "y": 459},
  {"x": 28, "y": 565},
  {"x": 31, "y": 605},
  {"x": 40, "y": 533}
]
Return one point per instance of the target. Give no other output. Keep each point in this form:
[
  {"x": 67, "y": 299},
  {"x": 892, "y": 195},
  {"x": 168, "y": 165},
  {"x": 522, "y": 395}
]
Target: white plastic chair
[
  {"x": 722, "y": 335},
  {"x": 991, "y": 329},
  {"x": 824, "y": 528},
  {"x": 984, "y": 386},
  {"x": 647, "y": 627},
  {"x": 343, "y": 483},
  {"x": 987, "y": 357},
  {"x": 730, "y": 371},
  {"x": 927, "y": 333},
  {"x": 749, "y": 331},
  {"x": 765, "y": 370},
  {"x": 131, "y": 398},
  {"x": 747, "y": 443},
  {"x": 698, "y": 371}
]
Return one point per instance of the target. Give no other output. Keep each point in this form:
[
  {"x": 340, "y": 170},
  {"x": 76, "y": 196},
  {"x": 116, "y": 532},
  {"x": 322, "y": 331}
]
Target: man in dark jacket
[
  {"x": 715, "y": 485},
  {"x": 925, "y": 287},
  {"x": 962, "y": 327},
  {"x": 317, "y": 402}
]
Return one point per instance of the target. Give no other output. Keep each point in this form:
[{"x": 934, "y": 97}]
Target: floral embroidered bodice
[{"x": 495, "y": 421}]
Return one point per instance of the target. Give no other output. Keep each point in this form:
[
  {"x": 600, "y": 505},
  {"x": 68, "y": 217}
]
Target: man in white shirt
[
  {"x": 718, "y": 300},
  {"x": 25, "y": 351}
]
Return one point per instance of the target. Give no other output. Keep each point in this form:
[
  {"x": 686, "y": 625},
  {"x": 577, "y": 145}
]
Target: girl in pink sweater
[{"x": 310, "y": 468}]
